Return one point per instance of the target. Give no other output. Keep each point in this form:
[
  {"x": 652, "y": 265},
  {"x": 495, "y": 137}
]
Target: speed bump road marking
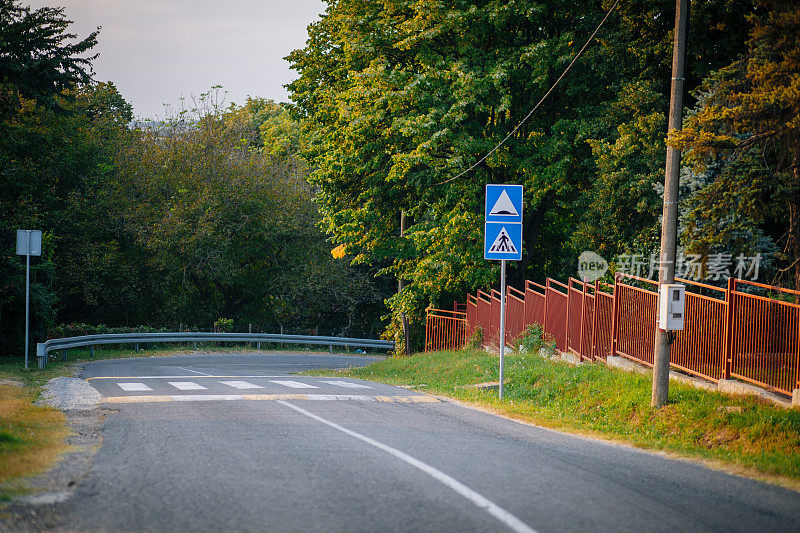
[{"x": 269, "y": 397}]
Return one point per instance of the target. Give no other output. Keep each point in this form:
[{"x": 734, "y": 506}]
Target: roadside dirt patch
[{"x": 41, "y": 509}]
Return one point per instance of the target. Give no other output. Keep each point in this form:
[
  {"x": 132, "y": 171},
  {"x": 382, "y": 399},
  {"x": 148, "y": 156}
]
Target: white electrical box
[{"x": 671, "y": 307}]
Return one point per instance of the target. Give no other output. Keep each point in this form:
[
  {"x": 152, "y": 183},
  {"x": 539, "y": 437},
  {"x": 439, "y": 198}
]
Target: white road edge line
[
  {"x": 514, "y": 523},
  {"x": 195, "y": 371}
]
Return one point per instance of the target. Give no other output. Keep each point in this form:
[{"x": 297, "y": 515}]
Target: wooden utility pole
[
  {"x": 400, "y": 285},
  {"x": 669, "y": 221}
]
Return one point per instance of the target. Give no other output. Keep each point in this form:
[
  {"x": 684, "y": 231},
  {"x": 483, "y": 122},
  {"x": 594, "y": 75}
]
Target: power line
[{"x": 507, "y": 137}]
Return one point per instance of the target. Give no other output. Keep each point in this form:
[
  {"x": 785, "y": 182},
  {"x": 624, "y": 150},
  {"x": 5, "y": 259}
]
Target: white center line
[
  {"x": 514, "y": 523},
  {"x": 132, "y": 387},
  {"x": 186, "y": 385},
  {"x": 294, "y": 384}
]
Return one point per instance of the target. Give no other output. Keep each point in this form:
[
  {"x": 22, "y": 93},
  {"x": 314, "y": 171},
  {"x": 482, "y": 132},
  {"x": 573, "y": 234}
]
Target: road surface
[{"x": 238, "y": 443}]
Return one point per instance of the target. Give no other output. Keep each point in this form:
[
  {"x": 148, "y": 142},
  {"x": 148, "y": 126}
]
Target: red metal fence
[
  {"x": 445, "y": 330},
  {"x": 731, "y": 332}
]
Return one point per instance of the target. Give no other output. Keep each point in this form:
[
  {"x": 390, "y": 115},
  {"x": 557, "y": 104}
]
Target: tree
[
  {"x": 399, "y": 97},
  {"x": 743, "y": 141},
  {"x": 222, "y": 222},
  {"x": 39, "y": 70},
  {"x": 37, "y": 61}
]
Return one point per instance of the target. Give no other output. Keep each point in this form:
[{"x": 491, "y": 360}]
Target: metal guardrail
[{"x": 44, "y": 348}]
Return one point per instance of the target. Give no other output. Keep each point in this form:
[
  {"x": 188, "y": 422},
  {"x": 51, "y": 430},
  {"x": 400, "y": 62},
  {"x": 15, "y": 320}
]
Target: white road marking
[
  {"x": 206, "y": 397},
  {"x": 150, "y": 398},
  {"x": 294, "y": 384},
  {"x": 180, "y": 377},
  {"x": 186, "y": 385},
  {"x": 241, "y": 385},
  {"x": 347, "y": 384},
  {"x": 194, "y": 371},
  {"x": 514, "y": 523},
  {"x": 132, "y": 387},
  {"x": 359, "y": 397}
]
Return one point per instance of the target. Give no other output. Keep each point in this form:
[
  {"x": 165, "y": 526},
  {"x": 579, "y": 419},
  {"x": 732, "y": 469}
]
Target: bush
[
  {"x": 79, "y": 329},
  {"x": 475, "y": 341},
  {"x": 223, "y": 325},
  {"x": 534, "y": 340}
]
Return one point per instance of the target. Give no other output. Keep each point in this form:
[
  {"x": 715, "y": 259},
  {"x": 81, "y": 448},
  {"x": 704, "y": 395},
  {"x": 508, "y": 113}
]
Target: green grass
[
  {"x": 745, "y": 434},
  {"x": 31, "y": 437}
]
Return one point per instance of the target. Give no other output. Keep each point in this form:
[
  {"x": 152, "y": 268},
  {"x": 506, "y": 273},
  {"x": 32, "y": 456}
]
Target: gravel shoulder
[
  {"x": 69, "y": 394},
  {"x": 40, "y": 505}
]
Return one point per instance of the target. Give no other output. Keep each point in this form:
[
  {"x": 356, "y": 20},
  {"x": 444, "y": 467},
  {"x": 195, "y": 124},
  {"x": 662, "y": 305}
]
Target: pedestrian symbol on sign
[{"x": 503, "y": 243}]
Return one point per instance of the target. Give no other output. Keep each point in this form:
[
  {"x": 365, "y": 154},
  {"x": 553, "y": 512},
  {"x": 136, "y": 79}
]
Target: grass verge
[
  {"x": 742, "y": 434},
  {"x": 31, "y": 436}
]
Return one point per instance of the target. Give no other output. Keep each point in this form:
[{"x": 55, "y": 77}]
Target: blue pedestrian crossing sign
[{"x": 503, "y": 225}]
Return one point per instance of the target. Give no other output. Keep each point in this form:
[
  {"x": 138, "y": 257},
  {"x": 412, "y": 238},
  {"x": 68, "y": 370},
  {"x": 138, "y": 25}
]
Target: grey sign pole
[
  {"x": 502, "y": 322},
  {"x": 29, "y": 242},
  {"x": 27, "y": 294},
  {"x": 502, "y": 240}
]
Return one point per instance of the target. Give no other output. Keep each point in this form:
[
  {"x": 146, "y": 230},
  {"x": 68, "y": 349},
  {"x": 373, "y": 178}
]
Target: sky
[{"x": 157, "y": 51}]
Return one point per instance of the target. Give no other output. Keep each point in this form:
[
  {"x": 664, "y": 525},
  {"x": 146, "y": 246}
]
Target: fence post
[
  {"x": 41, "y": 355},
  {"x": 544, "y": 318},
  {"x": 615, "y": 316},
  {"x": 428, "y": 332},
  {"x": 729, "y": 316},
  {"x": 91, "y": 350},
  {"x": 595, "y": 318},
  {"x": 796, "y": 391},
  {"x": 583, "y": 316},
  {"x": 566, "y": 322}
]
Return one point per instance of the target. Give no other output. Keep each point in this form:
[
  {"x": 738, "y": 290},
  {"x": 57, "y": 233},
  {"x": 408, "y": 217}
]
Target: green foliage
[
  {"x": 42, "y": 151},
  {"x": 475, "y": 341},
  {"x": 229, "y": 221},
  {"x": 77, "y": 329},
  {"x": 36, "y": 60},
  {"x": 167, "y": 223},
  {"x": 533, "y": 341},
  {"x": 742, "y": 143},
  {"x": 223, "y": 325},
  {"x": 399, "y": 97}
]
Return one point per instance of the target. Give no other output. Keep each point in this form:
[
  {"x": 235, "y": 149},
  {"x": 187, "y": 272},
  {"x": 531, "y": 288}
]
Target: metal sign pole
[
  {"x": 502, "y": 240},
  {"x": 502, "y": 322},
  {"x": 27, "y": 293}
]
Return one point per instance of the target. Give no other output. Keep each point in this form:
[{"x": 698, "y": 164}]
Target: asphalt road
[{"x": 245, "y": 448}]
